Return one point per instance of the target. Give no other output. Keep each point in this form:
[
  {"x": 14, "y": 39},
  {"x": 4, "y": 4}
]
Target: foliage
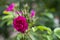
[
  {"x": 57, "y": 32},
  {"x": 43, "y": 28}
]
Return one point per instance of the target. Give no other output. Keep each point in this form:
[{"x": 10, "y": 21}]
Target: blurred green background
[{"x": 48, "y": 12}]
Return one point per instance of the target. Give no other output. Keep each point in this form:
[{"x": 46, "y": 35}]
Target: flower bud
[
  {"x": 11, "y": 7},
  {"x": 32, "y": 13}
]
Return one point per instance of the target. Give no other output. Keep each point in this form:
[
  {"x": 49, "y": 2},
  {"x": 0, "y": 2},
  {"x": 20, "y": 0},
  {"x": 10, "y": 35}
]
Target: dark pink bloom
[
  {"x": 20, "y": 24},
  {"x": 32, "y": 13},
  {"x": 10, "y": 7}
]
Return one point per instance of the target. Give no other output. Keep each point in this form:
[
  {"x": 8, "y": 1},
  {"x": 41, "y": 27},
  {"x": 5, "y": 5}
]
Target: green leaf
[
  {"x": 42, "y": 28},
  {"x": 19, "y": 36},
  {"x": 7, "y": 17},
  {"x": 9, "y": 22},
  {"x": 37, "y": 36},
  {"x": 2, "y": 23},
  {"x": 49, "y": 37},
  {"x": 34, "y": 29},
  {"x": 34, "y": 36},
  {"x": 57, "y": 32},
  {"x": 49, "y": 15}
]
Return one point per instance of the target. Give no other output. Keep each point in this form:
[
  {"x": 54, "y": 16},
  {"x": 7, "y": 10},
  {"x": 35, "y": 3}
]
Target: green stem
[
  {"x": 23, "y": 36},
  {"x": 30, "y": 36}
]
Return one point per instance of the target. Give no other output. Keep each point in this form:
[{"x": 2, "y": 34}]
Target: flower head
[
  {"x": 10, "y": 7},
  {"x": 32, "y": 13},
  {"x": 20, "y": 24}
]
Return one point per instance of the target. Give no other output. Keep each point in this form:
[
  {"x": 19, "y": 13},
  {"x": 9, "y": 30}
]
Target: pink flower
[
  {"x": 32, "y": 13},
  {"x": 20, "y": 24},
  {"x": 10, "y": 7}
]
